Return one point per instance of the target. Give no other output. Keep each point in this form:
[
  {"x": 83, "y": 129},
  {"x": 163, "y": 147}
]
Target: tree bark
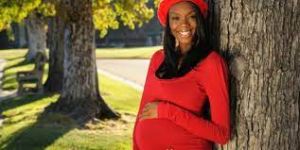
[
  {"x": 56, "y": 55},
  {"x": 80, "y": 97},
  {"x": 260, "y": 40},
  {"x": 36, "y": 28}
]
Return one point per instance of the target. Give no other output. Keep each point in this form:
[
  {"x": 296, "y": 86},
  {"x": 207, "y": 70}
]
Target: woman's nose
[{"x": 184, "y": 21}]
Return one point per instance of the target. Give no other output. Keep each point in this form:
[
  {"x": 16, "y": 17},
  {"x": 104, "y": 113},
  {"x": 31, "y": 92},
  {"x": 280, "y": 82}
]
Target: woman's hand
[{"x": 149, "y": 111}]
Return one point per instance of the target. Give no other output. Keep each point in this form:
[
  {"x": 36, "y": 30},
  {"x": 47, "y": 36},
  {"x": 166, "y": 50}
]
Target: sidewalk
[{"x": 130, "y": 71}]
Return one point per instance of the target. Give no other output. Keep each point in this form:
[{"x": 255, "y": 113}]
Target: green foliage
[
  {"x": 109, "y": 13},
  {"x": 104, "y": 16},
  {"x": 156, "y": 2},
  {"x": 15, "y": 11},
  {"x": 18, "y": 10},
  {"x": 47, "y": 9}
]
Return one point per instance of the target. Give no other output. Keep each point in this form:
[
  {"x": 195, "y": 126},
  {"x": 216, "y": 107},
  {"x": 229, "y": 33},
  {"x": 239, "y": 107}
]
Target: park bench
[{"x": 32, "y": 81}]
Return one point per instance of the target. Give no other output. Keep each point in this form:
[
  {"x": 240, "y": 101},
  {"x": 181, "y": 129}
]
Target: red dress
[{"x": 180, "y": 124}]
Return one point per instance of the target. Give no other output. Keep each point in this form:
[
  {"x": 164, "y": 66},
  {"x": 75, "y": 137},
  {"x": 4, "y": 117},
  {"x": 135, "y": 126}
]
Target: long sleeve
[
  {"x": 146, "y": 93},
  {"x": 215, "y": 83}
]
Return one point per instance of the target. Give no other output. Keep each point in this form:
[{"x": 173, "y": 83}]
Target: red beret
[{"x": 165, "y": 5}]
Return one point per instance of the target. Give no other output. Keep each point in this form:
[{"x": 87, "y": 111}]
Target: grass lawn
[
  {"x": 24, "y": 126},
  {"x": 132, "y": 53},
  {"x": 120, "y": 53}
]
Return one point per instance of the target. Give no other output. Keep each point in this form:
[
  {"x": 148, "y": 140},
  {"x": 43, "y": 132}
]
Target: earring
[{"x": 177, "y": 43}]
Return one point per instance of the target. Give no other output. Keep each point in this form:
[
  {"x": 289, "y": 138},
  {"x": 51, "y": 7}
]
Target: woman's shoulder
[
  {"x": 158, "y": 54},
  {"x": 212, "y": 65},
  {"x": 213, "y": 61},
  {"x": 156, "y": 58},
  {"x": 213, "y": 58}
]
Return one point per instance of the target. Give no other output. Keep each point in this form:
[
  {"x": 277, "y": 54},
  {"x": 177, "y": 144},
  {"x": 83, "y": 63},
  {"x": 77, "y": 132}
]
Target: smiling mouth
[{"x": 185, "y": 33}]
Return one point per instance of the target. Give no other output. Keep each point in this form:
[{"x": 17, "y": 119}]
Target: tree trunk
[
  {"x": 260, "y": 40},
  {"x": 56, "y": 55},
  {"x": 36, "y": 28},
  {"x": 80, "y": 97}
]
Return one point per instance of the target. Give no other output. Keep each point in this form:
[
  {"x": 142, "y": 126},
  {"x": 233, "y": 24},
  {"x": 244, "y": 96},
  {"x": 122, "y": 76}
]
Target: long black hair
[{"x": 200, "y": 49}]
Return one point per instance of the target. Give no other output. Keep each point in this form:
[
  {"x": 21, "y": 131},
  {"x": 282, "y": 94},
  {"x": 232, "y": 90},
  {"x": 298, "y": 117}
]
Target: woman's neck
[{"x": 184, "y": 48}]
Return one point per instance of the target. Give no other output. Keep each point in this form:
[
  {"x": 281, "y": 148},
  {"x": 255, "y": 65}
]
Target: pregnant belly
[{"x": 161, "y": 134}]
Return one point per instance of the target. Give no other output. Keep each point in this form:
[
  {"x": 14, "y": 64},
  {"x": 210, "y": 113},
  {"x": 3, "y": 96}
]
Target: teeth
[{"x": 185, "y": 33}]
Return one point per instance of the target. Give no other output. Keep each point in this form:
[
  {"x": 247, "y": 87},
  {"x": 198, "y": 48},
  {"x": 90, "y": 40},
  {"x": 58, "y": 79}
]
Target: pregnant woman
[{"x": 182, "y": 77}]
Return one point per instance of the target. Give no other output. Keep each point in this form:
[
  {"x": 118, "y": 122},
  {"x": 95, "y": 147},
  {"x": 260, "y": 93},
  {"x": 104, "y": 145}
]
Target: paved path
[{"x": 131, "y": 71}]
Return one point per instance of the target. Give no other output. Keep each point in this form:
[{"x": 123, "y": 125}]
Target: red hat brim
[{"x": 165, "y": 5}]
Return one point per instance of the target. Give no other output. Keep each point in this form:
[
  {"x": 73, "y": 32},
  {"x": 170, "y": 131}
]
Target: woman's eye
[
  {"x": 174, "y": 18},
  {"x": 193, "y": 16}
]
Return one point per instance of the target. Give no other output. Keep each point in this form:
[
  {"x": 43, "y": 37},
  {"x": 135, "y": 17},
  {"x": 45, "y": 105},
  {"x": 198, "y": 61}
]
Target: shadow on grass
[
  {"x": 21, "y": 63},
  {"x": 9, "y": 78},
  {"x": 9, "y": 83},
  {"x": 45, "y": 131},
  {"x": 37, "y": 129},
  {"x": 14, "y": 58},
  {"x": 9, "y": 75},
  {"x": 31, "y": 128},
  {"x": 17, "y": 101}
]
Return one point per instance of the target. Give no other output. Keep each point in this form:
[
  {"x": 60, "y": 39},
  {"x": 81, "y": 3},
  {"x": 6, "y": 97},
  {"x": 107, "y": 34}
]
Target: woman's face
[{"x": 182, "y": 21}]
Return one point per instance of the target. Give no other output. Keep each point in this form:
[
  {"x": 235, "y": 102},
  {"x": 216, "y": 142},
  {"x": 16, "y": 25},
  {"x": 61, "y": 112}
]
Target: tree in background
[
  {"x": 36, "y": 25},
  {"x": 56, "y": 42},
  {"x": 80, "y": 97},
  {"x": 107, "y": 15},
  {"x": 260, "y": 40},
  {"x": 34, "y": 13}
]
